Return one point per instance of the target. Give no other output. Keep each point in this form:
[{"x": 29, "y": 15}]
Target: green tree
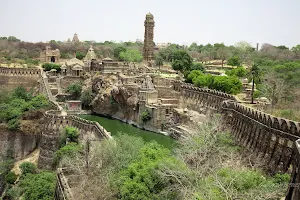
[
  {"x": 118, "y": 50},
  {"x": 182, "y": 61},
  {"x": 49, "y": 66},
  {"x": 21, "y": 93},
  {"x": 72, "y": 133},
  {"x": 11, "y": 178},
  {"x": 86, "y": 98},
  {"x": 38, "y": 186},
  {"x": 234, "y": 61},
  {"x": 193, "y": 74},
  {"x": 13, "y": 39},
  {"x": 131, "y": 55},
  {"x": 145, "y": 116},
  {"x": 28, "y": 167},
  {"x": 74, "y": 89},
  {"x": 80, "y": 55},
  {"x": 139, "y": 180},
  {"x": 239, "y": 72},
  {"x": 159, "y": 61}
]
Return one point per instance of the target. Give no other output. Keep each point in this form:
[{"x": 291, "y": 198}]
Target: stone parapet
[{"x": 19, "y": 71}]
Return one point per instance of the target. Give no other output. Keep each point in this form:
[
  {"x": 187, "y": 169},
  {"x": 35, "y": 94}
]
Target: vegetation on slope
[
  {"x": 14, "y": 105},
  {"x": 205, "y": 165},
  {"x": 32, "y": 185}
]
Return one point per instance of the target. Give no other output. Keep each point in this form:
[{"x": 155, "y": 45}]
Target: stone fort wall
[
  {"x": 54, "y": 124},
  {"x": 11, "y": 78},
  {"x": 275, "y": 140}
]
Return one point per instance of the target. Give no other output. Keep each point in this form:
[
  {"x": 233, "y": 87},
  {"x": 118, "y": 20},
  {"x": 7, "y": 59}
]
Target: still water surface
[{"x": 115, "y": 126}]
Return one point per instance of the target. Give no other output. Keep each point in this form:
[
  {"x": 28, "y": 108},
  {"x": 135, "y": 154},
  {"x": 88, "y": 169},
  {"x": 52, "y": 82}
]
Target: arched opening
[{"x": 52, "y": 59}]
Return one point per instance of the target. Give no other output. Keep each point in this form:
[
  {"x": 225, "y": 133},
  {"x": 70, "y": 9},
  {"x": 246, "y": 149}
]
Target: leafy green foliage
[
  {"x": 131, "y": 55},
  {"x": 21, "y": 93},
  {"x": 80, "y": 55},
  {"x": 239, "y": 72},
  {"x": 68, "y": 150},
  {"x": 14, "y": 193},
  {"x": 74, "y": 89},
  {"x": 49, "y": 66},
  {"x": 14, "y": 104},
  {"x": 11, "y": 177},
  {"x": 28, "y": 167},
  {"x": 145, "y": 116},
  {"x": 228, "y": 84},
  {"x": 38, "y": 186},
  {"x": 159, "y": 61},
  {"x": 72, "y": 133},
  {"x": 86, "y": 98},
  {"x": 181, "y": 60},
  {"x": 139, "y": 181},
  {"x": 118, "y": 50},
  {"x": 234, "y": 61}
]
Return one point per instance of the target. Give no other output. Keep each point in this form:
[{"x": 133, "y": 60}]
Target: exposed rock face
[
  {"x": 17, "y": 144},
  {"x": 113, "y": 99}
]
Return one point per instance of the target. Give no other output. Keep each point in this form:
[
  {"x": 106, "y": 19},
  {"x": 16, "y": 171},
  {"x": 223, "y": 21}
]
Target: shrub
[
  {"x": 13, "y": 124},
  {"x": 49, "y": 66},
  {"x": 239, "y": 72},
  {"x": 38, "y": 186},
  {"x": 14, "y": 193},
  {"x": 11, "y": 178},
  {"x": 68, "y": 150},
  {"x": 72, "y": 133},
  {"x": 28, "y": 167},
  {"x": 75, "y": 90},
  {"x": 234, "y": 61},
  {"x": 145, "y": 116}
]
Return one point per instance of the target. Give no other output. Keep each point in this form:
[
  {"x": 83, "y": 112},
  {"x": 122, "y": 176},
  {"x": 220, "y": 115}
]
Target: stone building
[
  {"x": 73, "y": 67},
  {"x": 148, "y": 38},
  {"x": 50, "y": 55},
  {"x": 90, "y": 60},
  {"x": 110, "y": 66},
  {"x": 75, "y": 39}
]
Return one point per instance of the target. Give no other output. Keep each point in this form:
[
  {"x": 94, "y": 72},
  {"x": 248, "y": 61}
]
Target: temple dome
[{"x": 74, "y": 61}]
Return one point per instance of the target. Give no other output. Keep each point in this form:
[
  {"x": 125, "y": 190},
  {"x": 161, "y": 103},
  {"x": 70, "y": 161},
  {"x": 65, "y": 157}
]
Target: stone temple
[{"x": 148, "y": 38}]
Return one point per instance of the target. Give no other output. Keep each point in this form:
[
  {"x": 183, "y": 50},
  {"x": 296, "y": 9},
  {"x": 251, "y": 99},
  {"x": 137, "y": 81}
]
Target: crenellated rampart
[
  {"x": 54, "y": 124},
  {"x": 11, "y": 78},
  {"x": 20, "y": 71},
  {"x": 275, "y": 140}
]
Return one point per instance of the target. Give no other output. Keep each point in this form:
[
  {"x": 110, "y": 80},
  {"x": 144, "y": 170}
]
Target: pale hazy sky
[{"x": 185, "y": 21}]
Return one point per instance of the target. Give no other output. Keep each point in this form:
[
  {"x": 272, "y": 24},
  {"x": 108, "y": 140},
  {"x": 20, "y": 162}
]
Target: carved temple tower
[{"x": 148, "y": 38}]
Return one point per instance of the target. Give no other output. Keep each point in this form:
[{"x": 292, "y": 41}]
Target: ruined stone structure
[
  {"x": 50, "y": 55},
  {"x": 54, "y": 124},
  {"x": 275, "y": 140},
  {"x": 11, "y": 78},
  {"x": 148, "y": 38}
]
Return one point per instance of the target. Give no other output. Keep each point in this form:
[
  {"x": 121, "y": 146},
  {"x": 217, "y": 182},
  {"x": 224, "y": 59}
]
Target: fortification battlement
[
  {"x": 82, "y": 124},
  {"x": 231, "y": 103},
  {"x": 291, "y": 128},
  {"x": 20, "y": 71}
]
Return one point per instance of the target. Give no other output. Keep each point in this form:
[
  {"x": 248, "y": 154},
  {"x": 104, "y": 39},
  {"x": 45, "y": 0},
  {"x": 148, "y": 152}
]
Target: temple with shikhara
[
  {"x": 75, "y": 39},
  {"x": 148, "y": 38}
]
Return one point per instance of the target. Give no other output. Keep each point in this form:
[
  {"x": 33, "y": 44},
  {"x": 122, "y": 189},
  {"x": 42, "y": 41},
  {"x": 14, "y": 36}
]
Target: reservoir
[{"x": 115, "y": 126}]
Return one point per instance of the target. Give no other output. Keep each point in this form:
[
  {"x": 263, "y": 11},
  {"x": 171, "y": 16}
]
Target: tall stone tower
[{"x": 148, "y": 38}]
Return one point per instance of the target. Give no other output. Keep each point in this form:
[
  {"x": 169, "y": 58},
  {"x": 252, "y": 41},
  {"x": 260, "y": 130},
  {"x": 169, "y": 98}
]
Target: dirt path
[{"x": 33, "y": 157}]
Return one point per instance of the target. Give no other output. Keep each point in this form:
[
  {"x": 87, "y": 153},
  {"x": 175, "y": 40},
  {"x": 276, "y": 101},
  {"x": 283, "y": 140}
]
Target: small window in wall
[{"x": 167, "y": 111}]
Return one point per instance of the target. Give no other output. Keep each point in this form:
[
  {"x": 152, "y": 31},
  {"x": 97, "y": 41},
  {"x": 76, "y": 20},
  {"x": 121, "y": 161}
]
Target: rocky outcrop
[
  {"x": 114, "y": 99},
  {"x": 17, "y": 144}
]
